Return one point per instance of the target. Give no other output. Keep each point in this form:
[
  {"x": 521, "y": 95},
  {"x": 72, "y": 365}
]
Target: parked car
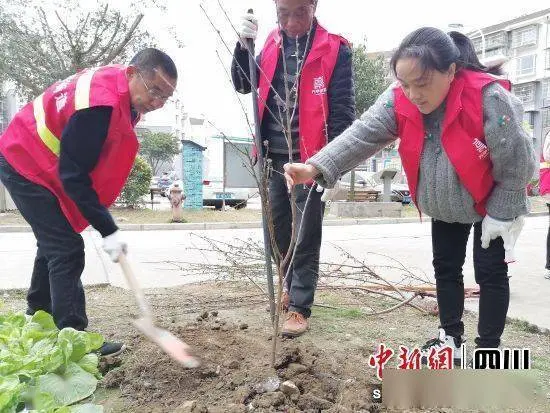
[
  {"x": 213, "y": 195},
  {"x": 366, "y": 181},
  {"x": 363, "y": 179},
  {"x": 164, "y": 183},
  {"x": 399, "y": 193}
]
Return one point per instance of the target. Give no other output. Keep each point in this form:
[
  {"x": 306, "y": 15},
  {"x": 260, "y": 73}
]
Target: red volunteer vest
[
  {"x": 462, "y": 137},
  {"x": 31, "y": 143},
  {"x": 544, "y": 176},
  {"x": 314, "y": 81}
]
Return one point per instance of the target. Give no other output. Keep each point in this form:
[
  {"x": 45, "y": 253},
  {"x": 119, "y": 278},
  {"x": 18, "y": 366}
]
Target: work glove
[
  {"x": 509, "y": 231},
  {"x": 113, "y": 246},
  {"x": 248, "y": 28}
]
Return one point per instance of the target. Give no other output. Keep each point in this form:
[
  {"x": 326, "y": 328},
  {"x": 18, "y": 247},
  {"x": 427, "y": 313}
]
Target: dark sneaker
[
  {"x": 295, "y": 325},
  {"x": 111, "y": 348},
  {"x": 440, "y": 342}
]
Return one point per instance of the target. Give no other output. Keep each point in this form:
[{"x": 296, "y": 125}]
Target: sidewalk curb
[{"x": 202, "y": 226}]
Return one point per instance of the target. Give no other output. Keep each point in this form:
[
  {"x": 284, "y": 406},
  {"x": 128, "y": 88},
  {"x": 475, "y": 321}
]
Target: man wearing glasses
[
  {"x": 65, "y": 157},
  {"x": 320, "y": 105}
]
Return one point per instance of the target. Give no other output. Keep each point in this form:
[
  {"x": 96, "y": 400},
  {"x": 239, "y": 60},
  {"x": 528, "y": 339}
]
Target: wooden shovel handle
[{"x": 134, "y": 285}]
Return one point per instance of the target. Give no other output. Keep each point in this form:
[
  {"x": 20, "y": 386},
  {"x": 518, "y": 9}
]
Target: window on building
[
  {"x": 495, "y": 40},
  {"x": 525, "y": 92},
  {"x": 495, "y": 52},
  {"x": 525, "y": 65},
  {"x": 545, "y": 92},
  {"x": 546, "y": 118},
  {"x": 529, "y": 122},
  {"x": 478, "y": 44},
  {"x": 547, "y": 59},
  {"x": 524, "y": 36},
  {"x": 529, "y": 118},
  {"x": 546, "y": 88}
]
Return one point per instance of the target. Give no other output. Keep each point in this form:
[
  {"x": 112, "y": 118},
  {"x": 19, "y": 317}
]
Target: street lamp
[{"x": 460, "y": 27}]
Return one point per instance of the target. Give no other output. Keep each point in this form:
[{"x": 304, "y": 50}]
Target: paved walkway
[{"x": 409, "y": 243}]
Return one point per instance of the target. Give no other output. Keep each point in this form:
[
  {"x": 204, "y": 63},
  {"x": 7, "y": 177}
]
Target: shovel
[{"x": 168, "y": 342}]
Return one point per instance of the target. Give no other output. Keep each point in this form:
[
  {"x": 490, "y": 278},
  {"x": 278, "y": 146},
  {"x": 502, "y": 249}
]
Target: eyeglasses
[
  {"x": 153, "y": 91},
  {"x": 301, "y": 13}
]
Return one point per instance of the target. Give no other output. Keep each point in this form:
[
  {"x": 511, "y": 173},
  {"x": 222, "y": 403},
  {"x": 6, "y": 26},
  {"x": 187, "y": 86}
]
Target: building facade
[{"x": 522, "y": 46}]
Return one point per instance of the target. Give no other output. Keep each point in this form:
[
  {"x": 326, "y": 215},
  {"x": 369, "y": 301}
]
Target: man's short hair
[{"x": 147, "y": 60}]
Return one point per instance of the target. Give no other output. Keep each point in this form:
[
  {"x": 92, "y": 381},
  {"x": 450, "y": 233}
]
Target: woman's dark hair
[{"x": 437, "y": 50}]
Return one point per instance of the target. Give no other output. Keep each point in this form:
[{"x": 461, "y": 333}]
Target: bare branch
[
  {"x": 67, "y": 31},
  {"x": 97, "y": 37},
  {"x": 249, "y": 124},
  {"x": 110, "y": 43},
  {"x": 116, "y": 51},
  {"x": 82, "y": 30},
  {"x": 247, "y": 77},
  {"x": 248, "y": 50},
  {"x": 47, "y": 29}
]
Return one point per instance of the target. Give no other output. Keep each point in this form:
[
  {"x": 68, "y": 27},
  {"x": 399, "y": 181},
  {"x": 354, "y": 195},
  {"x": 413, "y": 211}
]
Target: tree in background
[
  {"x": 43, "y": 42},
  {"x": 137, "y": 185},
  {"x": 371, "y": 79},
  {"x": 157, "y": 148},
  {"x": 370, "y": 76}
]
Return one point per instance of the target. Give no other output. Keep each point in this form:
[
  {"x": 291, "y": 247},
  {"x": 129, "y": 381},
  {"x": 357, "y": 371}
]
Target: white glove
[
  {"x": 509, "y": 231},
  {"x": 509, "y": 244},
  {"x": 113, "y": 246},
  {"x": 248, "y": 28}
]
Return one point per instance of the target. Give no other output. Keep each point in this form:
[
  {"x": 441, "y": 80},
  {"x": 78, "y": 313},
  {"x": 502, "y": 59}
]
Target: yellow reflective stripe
[
  {"x": 82, "y": 91},
  {"x": 544, "y": 165},
  {"x": 49, "y": 139}
]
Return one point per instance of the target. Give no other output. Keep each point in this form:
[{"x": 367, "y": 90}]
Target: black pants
[
  {"x": 55, "y": 283},
  {"x": 548, "y": 241},
  {"x": 491, "y": 273},
  {"x": 302, "y": 279}
]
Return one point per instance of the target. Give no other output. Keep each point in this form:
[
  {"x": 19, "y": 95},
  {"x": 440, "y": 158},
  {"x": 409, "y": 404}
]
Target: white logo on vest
[
  {"x": 60, "y": 101},
  {"x": 319, "y": 87},
  {"x": 481, "y": 148}
]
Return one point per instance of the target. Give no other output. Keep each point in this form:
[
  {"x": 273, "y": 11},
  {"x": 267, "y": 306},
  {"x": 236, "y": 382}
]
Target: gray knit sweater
[{"x": 440, "y": 194}]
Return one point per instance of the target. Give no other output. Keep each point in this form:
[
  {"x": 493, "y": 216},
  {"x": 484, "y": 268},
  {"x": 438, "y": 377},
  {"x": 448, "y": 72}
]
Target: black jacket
[{"x": 341, "y": 92}]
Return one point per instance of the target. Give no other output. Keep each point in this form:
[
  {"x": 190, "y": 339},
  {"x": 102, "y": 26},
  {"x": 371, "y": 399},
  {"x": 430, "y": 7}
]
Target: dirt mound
[{"x": 236, "y": 373}]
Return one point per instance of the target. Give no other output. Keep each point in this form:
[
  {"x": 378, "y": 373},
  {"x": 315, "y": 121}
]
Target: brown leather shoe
[
  {"x": 295, "y": 325},
  {"x": 285, "y": 301}
]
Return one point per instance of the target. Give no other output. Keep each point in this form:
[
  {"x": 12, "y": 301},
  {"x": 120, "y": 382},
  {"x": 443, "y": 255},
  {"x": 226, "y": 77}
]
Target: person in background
[{"x": 544, "y": 190}]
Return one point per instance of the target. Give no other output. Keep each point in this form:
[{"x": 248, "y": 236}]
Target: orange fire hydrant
[{"x": 176, "y": 200}]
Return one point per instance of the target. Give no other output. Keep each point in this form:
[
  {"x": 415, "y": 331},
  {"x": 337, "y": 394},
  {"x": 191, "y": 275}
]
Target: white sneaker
[
  {"x": 547, "y": 275},
  {"x": 440, "y": 342}
]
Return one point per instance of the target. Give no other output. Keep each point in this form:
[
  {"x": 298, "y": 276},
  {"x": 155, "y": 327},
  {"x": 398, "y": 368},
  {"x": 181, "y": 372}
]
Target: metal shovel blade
[
  {"x": 173, "y": 346},
  {"x": 168, "y": 342}
]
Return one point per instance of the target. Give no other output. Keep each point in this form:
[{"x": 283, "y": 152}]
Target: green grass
[
  {"x": 540, "y": 363},
  {"x": 524, "y": 325},
  {"x": 339, "y": 313},
  {"x": 148, "y": 216}
]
